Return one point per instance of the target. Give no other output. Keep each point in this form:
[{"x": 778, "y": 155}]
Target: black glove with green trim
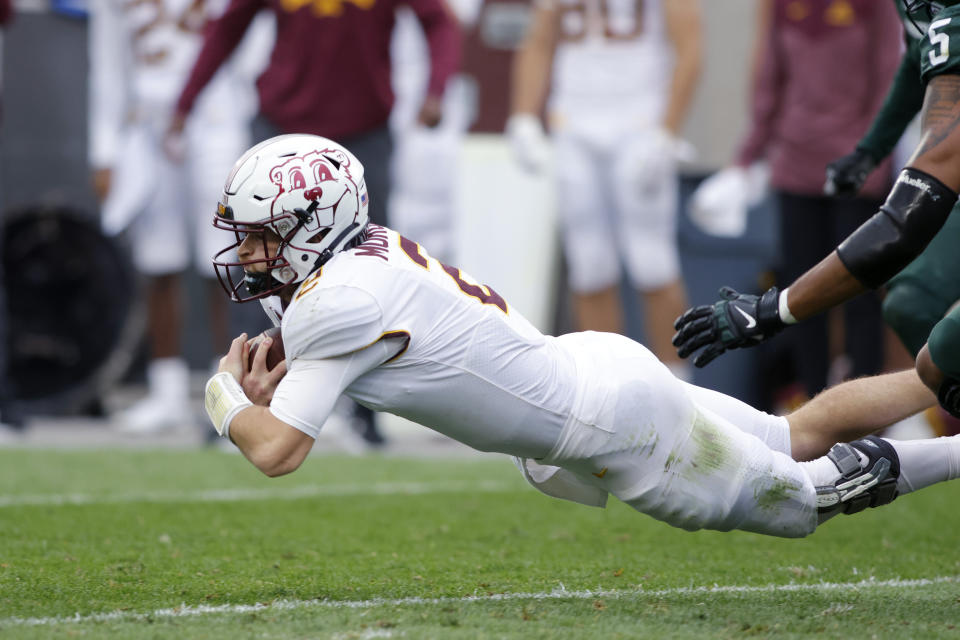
[
  {"x": 738, "y": 320},
  {"x": 846, "y": 175}
]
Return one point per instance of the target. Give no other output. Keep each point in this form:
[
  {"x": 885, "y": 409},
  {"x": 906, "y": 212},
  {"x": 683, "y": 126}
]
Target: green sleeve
[
  {"x": 940, "y": 48},
  {"x": 903, "y": 102}
]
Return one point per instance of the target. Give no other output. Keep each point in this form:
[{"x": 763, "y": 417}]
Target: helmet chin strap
[
  {"x": 257, "y": 283},
  {"x": 327, "y": 253}
]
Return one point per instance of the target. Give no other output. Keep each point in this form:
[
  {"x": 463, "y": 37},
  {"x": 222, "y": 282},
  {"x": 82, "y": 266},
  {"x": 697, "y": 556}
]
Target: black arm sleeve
[
  {"x": 914, "y": 212},
  {"x": 903, "y": 102}
]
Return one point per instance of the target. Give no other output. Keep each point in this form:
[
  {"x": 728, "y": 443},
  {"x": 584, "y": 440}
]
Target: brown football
[{"x": 275, "y": 355}]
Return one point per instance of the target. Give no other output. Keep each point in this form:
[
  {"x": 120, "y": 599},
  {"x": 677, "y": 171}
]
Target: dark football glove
[
  {"x": 846, "y": 175},
  {"x": 738, "y": 320}
]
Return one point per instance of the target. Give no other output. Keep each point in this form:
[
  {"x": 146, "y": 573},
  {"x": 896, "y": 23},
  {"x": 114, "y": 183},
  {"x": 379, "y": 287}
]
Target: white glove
[
  {"x": 651, "y": 156},
  {"x": 529, "y": 141},
  {"x": 719, "y": 205}
]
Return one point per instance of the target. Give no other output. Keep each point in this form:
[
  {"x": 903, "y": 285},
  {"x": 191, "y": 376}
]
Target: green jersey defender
[
  {"x": 910, "y": 244},
  {"x": 919, "y": 297}
]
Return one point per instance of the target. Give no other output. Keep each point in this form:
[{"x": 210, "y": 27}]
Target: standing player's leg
[
  {"x": 160, "y": 244},
  {"x": 646, "y": 208},
  {"x": 589, "y": 240}
]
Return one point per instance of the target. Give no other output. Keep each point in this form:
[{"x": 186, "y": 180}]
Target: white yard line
[
  {"x": 558, "y": 594},
  {"x": 242, "y": 495}
]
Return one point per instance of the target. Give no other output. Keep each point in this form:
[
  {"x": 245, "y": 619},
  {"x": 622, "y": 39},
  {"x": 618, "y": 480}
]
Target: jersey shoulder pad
[
  {"x": 331, "y": 321},
  {"x": 940, "y": 47}
]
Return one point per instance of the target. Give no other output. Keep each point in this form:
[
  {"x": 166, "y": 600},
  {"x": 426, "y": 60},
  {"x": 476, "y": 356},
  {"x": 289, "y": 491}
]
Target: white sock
[
  {"x": 922, "y": 463},
  {"x": 926, "y": 462},
  {"x": 822, "y": 471},
  {"x": 169, "y": 379}
]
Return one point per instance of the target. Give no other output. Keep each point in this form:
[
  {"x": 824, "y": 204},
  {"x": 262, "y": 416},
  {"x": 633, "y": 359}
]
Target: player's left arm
[{"x": 682, "y": 19}]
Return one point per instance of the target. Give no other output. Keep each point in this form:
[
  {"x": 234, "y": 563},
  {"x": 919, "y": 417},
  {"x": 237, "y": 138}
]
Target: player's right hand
[
  {"x": 846, "y": 175},
  {"x": 737, "y": 320},
  {"x": 259, "y": 382},
  {"x": 530, "y": 145}
]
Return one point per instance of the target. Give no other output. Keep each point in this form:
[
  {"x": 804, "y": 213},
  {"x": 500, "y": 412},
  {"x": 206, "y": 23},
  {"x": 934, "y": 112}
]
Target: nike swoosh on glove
[{"x": 737, "y": 320}]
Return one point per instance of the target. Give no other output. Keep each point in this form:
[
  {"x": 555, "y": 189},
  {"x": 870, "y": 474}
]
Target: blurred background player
[
  {"x": 821, "y": 72},
  {"x": 422, "y": 204},
  {"x": 140, "y": 54},
  {"x": 329, "y": 74},
  {"x": 623, "y": 77},
  {"x": 914, "y": 221}
]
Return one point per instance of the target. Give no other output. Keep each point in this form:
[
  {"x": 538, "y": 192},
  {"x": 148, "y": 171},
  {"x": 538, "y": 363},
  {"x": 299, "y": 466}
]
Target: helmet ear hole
[{"x": 319, "y": 236}]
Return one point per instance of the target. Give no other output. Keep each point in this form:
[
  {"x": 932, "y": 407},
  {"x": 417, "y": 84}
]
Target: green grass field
[{"x": 197, "y": 544}]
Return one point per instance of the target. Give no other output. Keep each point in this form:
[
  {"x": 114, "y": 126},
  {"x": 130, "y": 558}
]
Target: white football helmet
[{"x": 308, "y": 190}]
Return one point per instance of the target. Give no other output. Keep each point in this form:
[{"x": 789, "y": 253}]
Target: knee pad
[
  {"x": 912, "y": 312},
  {"x": 870, "y": 483}
]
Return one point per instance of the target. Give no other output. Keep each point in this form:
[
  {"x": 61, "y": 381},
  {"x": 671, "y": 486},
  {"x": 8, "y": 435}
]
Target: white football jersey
[
  {"x": 613, "y": 62},
  {"x": 141, "y": 52},
  {"x": 398, "y": 331},
  {"x": 464, "y": 363}
]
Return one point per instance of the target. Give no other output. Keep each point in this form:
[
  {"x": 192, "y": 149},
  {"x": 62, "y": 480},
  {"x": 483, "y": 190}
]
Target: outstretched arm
[{"x": 915, "y": 210}]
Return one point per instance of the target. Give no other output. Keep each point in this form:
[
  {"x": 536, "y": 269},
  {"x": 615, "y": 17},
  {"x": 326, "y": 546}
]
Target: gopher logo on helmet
[{"x": 312, "y": 179}]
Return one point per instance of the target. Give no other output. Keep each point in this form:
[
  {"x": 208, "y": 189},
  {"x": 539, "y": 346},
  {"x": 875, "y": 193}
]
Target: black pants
[{"x": 812, "y": 227}]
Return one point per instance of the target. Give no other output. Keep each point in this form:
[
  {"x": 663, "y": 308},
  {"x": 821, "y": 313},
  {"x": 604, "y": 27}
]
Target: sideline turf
[{"x": 142, "y": 556}]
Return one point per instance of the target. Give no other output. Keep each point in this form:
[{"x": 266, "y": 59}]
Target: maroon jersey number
[{"x": 481, "y": 292}]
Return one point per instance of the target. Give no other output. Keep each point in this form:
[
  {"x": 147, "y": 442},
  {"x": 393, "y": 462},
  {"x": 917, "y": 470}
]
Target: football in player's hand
[{"x": 275, "y": 354}]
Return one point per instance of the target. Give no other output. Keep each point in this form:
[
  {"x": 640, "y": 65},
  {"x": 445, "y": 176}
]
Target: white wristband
[
  {"x": 785, "y": 316},
  {"x": 223, "y": 400}
]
